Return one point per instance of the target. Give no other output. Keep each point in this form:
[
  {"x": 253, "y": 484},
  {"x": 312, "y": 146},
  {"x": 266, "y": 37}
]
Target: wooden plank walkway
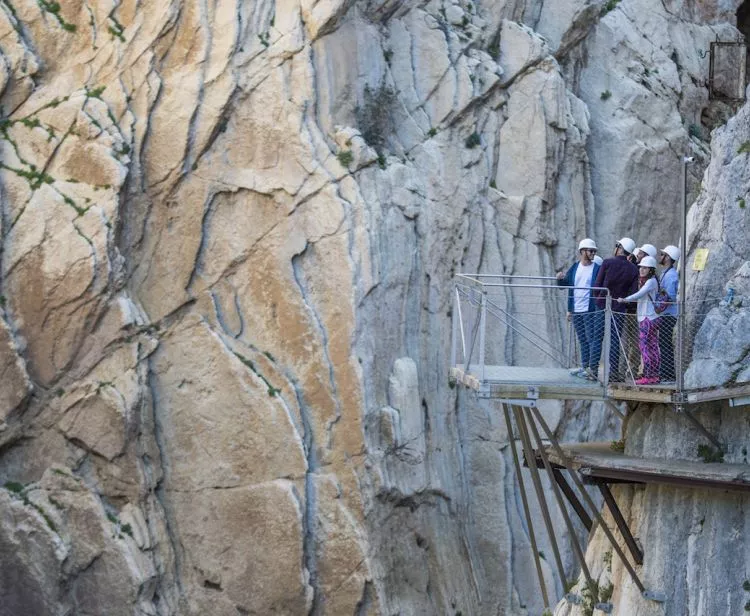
[{"x": 598, "y": 460}]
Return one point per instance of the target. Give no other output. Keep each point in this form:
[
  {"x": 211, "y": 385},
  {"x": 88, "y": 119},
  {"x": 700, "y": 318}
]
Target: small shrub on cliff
[
  {"x": 618, "y": 446},
  {"x": 473, "y": 140},
  {"x": 609, "y": 6},
  {"x": 605, "y": 95},
  {"x": 14, "y": 486},
  {"x": 374, "y": 115},
  {"x": 744, "y": 148},
  {"x": 345, "y": 157},
  {"x": 709, "y": 454},
  {"x": 746, "y": 585}
]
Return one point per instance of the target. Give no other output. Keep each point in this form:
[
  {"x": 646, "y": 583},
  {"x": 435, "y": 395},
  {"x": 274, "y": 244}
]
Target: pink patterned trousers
[{"x": 648, "y": 342}]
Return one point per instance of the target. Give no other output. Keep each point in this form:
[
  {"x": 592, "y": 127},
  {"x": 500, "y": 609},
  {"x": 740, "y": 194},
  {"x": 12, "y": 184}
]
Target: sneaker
[
  {"x": 646, "y": 380},
  {"x": 653, "y": 380},
  {"x": 590, "y": 376},
  {"x": 577, "y": 372}
]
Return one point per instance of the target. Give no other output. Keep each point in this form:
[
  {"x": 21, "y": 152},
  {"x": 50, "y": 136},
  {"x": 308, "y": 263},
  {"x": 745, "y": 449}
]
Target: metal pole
[
  {"x": 529, "y": 453},
  {"x": 579, "y": 484},
  {"x": 461, "y": 323},
  {"x": 686, "y": 160},
  {"x": 561, "y": 504},
  {"x": 454, "y": 329},
  {"x": 482, "y": 334},
  {"x": 526, "y": 509},
  {"x": 607, "y": 338}
]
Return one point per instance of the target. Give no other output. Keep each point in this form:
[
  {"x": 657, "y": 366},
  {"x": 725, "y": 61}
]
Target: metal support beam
[
  {"x": 561, "y": 504},
  {"x": 529, "y": 453},
  {"x": 573, "y": 500},
  {"x": 701, "y": 428},
  {"x": 613, "y": 407},
  {"x": 621, "y": 523},
  {"x": 615, "y": 546},
  {"x": 526, "y": 509}
]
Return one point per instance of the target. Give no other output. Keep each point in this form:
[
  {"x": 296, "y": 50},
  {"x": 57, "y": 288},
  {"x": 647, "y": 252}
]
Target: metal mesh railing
[
  {"x": 521, "y": 321},
  {"x": 657, "y": 351},
  {"x": 525, "y": 322}
]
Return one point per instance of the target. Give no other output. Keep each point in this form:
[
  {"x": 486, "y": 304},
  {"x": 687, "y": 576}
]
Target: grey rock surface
[{"x": 229, "y": 233}]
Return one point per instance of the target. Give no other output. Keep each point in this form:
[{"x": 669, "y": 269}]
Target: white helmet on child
[
  {"x": 672, "y": 252},
  {"x": 648, "y": 262},
  {"x": 649, "y": 249},
  {"x": 628, "y": 245},
  {"x": 587, "y": 243}
]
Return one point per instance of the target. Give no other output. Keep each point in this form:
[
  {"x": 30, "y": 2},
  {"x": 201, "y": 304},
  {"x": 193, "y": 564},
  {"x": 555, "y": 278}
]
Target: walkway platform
[
  {"x": 521, "y": 382},
  {"x": 597, "y": 461},
  {"x": 511, "y": 340}
]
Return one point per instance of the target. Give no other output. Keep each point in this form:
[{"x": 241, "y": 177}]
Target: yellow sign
[{"x": 699, "y": 262}]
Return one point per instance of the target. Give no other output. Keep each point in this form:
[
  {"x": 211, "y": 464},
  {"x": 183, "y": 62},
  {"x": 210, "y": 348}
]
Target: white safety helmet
[
  {"x": 649, "y": 249},
  {"x": 598, "y": 260},
  {"x": 627, "y": 244},
  {"x": 647, "y": 262},
  {"x": 672, "y": 251},
  {"x": 587, "y": 243}
]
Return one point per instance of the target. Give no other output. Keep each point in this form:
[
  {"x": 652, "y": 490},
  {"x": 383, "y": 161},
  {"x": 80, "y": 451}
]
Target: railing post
[
  {"x": 686, "y": 160},
  {"x": 607, "y": 342},
  {"x": 680, "y": 375},
  {"x": 454, "y": 328},
  {"x": 482, "y": 332}
]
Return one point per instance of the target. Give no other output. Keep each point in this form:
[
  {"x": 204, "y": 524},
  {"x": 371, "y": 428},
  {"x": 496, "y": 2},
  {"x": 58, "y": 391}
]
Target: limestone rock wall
[{"x": 228, "y": 235}]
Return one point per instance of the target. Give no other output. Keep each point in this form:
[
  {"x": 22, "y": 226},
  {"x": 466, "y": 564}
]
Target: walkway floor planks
[{"x": 599, "y": 461}]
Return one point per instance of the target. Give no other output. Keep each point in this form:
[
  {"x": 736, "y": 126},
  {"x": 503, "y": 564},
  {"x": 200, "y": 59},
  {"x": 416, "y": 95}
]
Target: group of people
[{"x": 637, "y": 291}]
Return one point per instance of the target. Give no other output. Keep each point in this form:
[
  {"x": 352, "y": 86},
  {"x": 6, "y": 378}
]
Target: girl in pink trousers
[{"x": 648, "y": 321}]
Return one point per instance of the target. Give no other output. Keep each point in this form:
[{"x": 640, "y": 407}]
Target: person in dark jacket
[
  {"x": 620, "y": 277},
  {"x": 588, "y": 321}
]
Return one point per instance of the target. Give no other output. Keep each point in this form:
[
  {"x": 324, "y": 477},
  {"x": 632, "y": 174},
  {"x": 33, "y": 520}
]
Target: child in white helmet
[{"x": 648, "y": 321}]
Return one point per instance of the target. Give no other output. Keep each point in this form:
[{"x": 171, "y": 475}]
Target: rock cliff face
[{"x": 228, "y": 236}]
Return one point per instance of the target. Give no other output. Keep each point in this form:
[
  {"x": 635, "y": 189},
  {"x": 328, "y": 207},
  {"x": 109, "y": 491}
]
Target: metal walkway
[{"x": 511, "y": 340}]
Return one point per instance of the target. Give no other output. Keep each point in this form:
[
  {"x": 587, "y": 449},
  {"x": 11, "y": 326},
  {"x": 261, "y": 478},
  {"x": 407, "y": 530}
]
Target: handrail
[{"x": 473, "y": 283}]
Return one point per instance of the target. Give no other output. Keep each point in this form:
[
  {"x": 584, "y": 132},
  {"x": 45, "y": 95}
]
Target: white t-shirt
[{"x": 583, "y": 279}]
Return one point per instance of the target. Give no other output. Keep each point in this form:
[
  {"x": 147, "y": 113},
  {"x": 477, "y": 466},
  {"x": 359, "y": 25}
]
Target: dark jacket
[
  {"x": 570, "y": 281},
  {"x": 620, "y": 276}
]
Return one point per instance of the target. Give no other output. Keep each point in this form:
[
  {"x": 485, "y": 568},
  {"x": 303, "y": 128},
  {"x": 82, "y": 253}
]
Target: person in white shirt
[
  {"x": 648, "y": 321},
  {"x": 588, "y": 320}
]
